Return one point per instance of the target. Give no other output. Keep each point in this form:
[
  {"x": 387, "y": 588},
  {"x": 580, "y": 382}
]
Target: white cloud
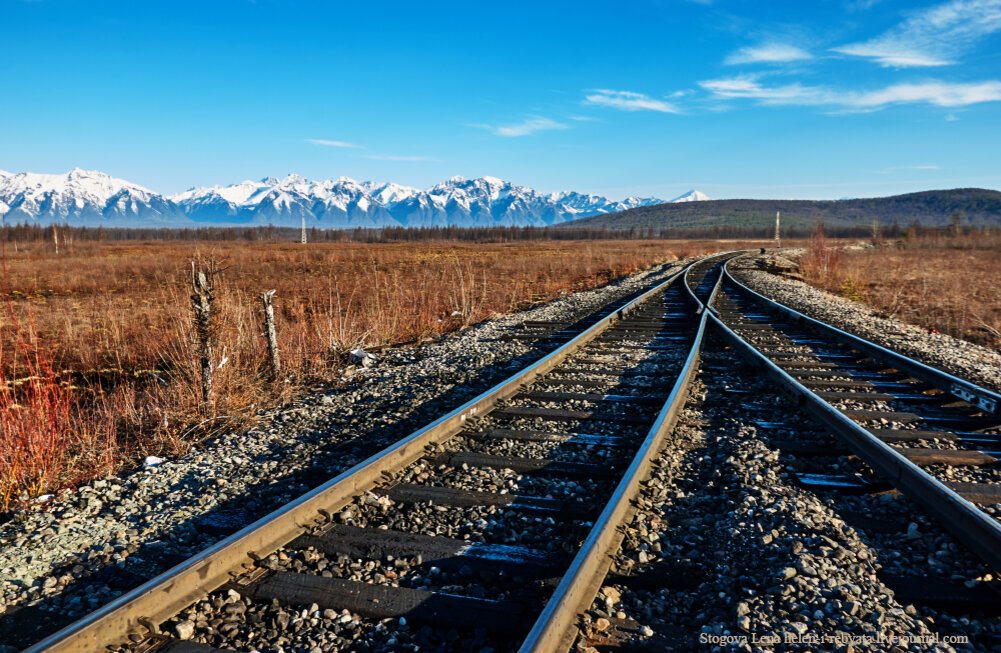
[
  {"x": 768, "y": 53},
  {"x": 931, "y": 37},
  {"x": 394, "y": 157},
  {"x": 524, "y": 128},
  {"x": 943, "y": 94},
  {"x": 861, "y": 5},
  {"x": 583, "y": 118},
  {"x": 886, "y": 171},
  {"x": 325, "y": 143},
  {"x": 628, "y": 101}
]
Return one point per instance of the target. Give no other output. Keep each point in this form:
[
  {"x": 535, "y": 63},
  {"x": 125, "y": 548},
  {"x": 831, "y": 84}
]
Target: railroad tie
[
  {"x": 443, "y": 552},
  {"x": 646, "y": 400},
  {"x": 181, "y": 646},
  {"x": 590, "y": 383},
  {"x": 518, "y": 412},
  {"x": 385, "y": 601},
  {"x": 457, "y": 498},
  {"x": 952, "y": 457},
  {"x": 871, "y": 415},
  {"x": 903, "y": 435},
  {"x": 528, "y": 465},
  {"x": 984, "y": 494},
  {"x": 941, "y": 592},
  {"x": 585, "y": 439}
]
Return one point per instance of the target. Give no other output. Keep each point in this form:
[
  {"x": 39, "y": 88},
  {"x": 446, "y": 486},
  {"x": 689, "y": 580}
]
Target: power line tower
[
  {"x": 777, "y": 238},
  {"x": 302, "y": 238}
]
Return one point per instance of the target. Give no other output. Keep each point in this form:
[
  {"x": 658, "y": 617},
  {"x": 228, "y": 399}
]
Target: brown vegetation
[
  {"x": 99, "y": 359},
  {"x": 942, "y": 282}
]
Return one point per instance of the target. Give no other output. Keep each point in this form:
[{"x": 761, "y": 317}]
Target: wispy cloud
[
  {"x": 861, "y": 5},
  {"x": 767, "y": 53},
  {"x": 395, "y": 157},
  {"x": 628, "y": 101},
  {"x": 943, "y": 94},
  {"x": 326, "y": 143},
  {"x": 524, "y": 128},
  {"x": 584, "y": 118},
  {"x": 886, "y": 171},
  {"x": 931, "y": 37}
]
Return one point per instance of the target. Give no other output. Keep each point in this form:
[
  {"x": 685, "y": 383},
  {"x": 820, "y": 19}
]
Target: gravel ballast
[{"x": 743, "y": 558}]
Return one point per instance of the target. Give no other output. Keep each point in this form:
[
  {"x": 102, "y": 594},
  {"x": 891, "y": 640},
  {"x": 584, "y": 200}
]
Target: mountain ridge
[
  {"x": 93, "y": 198},
  {"x": 975, "y": 206}
]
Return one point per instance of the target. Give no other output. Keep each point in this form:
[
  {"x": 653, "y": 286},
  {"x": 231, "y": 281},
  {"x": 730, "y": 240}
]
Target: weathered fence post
[
  {"x": 203, "y": 293},
  {"x": 269, "y": 331}
]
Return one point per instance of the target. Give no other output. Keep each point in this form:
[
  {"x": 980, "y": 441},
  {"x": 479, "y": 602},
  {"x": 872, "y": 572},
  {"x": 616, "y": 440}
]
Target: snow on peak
[
  {"x": 293, "y": 179},
  {"x": 84, "y": 197},
  {"x": 91, "y": 197},
  {"x": 692, "y": 196}
]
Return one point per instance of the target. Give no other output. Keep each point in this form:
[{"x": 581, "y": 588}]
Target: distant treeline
[{"x": 30, "y": 232}]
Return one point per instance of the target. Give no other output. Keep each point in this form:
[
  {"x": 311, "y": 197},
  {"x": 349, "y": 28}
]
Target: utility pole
[
  {"x": 777, "y": 239},
  {"x": 303, "y": 237}
]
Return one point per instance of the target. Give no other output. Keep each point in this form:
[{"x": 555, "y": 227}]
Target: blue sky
[{"x": 818, "y": 99}]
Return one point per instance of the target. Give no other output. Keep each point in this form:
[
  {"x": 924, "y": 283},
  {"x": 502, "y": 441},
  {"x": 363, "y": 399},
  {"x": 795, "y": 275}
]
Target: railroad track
[
  {"x": 497, "y": 524},
  {"x": 577, "y": 429},
  {"x": 910, "y": 423}
]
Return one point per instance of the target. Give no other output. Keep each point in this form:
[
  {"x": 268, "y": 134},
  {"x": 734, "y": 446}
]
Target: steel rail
[
  {"x": 150, "y": 604},
  {"x": 712, "y": 295},
  {"x": 970, "y": 525},
  {"x": 553, "y": 631},
  {"x": 986, "y": 400}
]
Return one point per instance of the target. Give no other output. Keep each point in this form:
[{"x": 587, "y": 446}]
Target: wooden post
[
  {"x": 777, "y": 238},
  {"x": 55, "y": 238},
  {"x": 270, "y": 333},
  {"x": 303, "y": 236},
  {"x": 202, "y": 296}
]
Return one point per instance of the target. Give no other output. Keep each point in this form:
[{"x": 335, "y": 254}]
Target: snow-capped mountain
[
  {"x": 85, "y": 197},
  {"x": 94, "y": 198},
  {"x": 345, "y": 203},
  {"x": 691, "y": 196}
]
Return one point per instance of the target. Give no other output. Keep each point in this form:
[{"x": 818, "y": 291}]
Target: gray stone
[{"x": 184, "y": 629}]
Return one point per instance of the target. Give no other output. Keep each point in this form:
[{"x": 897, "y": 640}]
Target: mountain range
[{"x": 92, "y": 198}]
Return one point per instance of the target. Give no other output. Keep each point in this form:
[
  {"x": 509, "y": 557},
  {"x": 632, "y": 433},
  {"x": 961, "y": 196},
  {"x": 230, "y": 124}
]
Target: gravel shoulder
[
  {"x": 964, "y": 359},
  {"x": 72, "y": 553},
  {"x": 740, "y": 557}
]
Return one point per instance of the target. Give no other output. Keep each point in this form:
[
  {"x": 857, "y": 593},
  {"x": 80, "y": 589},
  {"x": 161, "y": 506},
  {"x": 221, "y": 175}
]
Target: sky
[{"x": 739, "y": 99}]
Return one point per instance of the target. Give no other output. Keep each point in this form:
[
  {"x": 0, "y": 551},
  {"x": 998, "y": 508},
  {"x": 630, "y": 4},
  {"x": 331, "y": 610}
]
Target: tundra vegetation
[
  {"x": 103, "y": 345},
  {"x": 944, "y": 280}
]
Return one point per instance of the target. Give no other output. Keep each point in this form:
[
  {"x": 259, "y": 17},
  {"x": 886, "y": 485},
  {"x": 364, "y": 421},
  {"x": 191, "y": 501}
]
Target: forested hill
[{"x": 975, "y": 206}]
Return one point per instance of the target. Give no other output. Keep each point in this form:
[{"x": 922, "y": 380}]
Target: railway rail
[
  {"x": 858, "y": 389},
  {"x": 623, "y": 378},
  {"x": 504, "y": 515}
]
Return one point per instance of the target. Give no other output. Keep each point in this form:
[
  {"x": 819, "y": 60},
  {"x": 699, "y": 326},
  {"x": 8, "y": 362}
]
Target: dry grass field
[
  {"x": 99, "y": 359},
  {"x": 948, "y": 284}
]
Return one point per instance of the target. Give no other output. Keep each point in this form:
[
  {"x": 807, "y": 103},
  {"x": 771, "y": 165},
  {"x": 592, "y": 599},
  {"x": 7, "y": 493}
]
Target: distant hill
[{"x": 976, "y": 207}]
